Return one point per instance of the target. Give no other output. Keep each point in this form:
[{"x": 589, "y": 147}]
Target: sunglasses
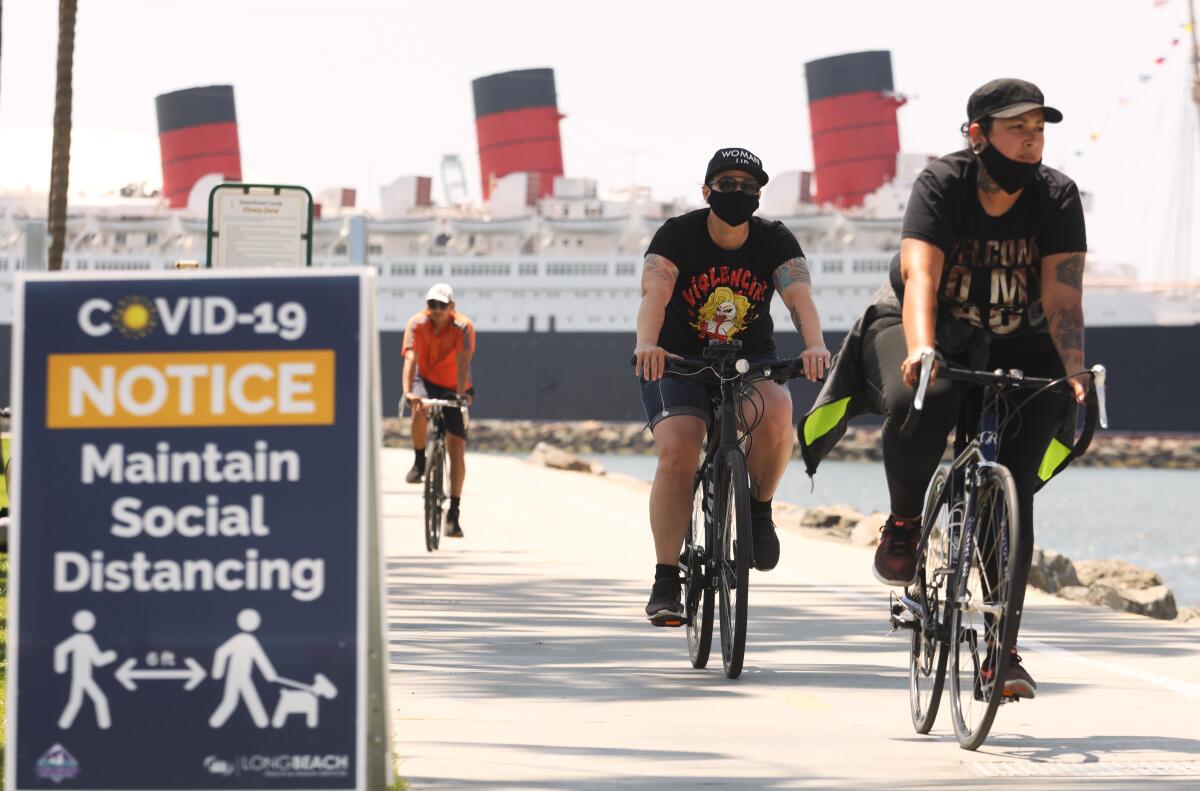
[
  {"x": 433, "y": 304},
  {"x": 731, "y": 184}
]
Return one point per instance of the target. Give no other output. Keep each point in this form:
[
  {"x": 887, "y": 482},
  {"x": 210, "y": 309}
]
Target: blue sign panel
[{"x": 189, "y": 565}]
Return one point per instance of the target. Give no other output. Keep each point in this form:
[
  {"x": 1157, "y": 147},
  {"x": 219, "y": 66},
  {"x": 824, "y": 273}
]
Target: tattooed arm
[
  {"x": 1062, "y": 298},
  {"x": 794, "y": 284},
  {"x": 658, "y": 283}
]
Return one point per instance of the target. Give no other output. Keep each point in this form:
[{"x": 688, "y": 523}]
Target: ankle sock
[
  {"x": 419, "y": 456},
  {"x": 454, "y": 503},
  {"x": 760, "y": 506},
  {"x": 663, "y": 571}
]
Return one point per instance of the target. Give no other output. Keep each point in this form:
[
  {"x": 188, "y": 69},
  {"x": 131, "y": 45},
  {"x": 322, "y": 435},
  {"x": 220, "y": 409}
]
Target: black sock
[
  {"x": 663, "y": 571},
  {"x": 454, "y": 503},
  {"x": 419, "y": 456},
  {"x": 760, "y": 506}
]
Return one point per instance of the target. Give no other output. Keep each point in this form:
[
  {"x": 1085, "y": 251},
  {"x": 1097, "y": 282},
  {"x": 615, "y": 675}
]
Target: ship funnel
[
  {"x": 852, "y": 108},
  {"x": 197, "y": 134},
  {"x": 516, "y": 121}
]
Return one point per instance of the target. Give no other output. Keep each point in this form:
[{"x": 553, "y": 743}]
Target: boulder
[
  {"x": 1189, "y": 615},
  {"x": 547, "y": 455},
  {"x": 838, "y": 520},
  {"x": 1073, "y": 592},
  {"x": 866, "y": 532},
  {"x": 1115, "y": 574},
  {"x": 1155, "y": 602},
  {"x": 1051, "y": 571}
]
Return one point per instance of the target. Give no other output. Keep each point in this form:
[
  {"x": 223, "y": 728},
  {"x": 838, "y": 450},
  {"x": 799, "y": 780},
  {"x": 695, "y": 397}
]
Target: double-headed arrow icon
[{"x": 193, "y": 674}]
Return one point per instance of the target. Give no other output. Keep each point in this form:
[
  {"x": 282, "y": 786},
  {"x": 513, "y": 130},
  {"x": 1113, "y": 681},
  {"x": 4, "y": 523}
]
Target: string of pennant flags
[{"x": 1171, "y": 49}]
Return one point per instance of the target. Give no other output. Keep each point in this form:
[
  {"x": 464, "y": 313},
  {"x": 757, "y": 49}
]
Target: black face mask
[
  {"x": 734, "y": 208},
  {"x": 1011, "y": 175}
]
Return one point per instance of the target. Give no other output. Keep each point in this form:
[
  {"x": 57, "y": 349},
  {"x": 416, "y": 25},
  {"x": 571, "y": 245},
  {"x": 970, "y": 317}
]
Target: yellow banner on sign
[{"x": 160, "y": 390}]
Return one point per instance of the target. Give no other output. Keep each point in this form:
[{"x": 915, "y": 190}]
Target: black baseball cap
[
  {"x": 735, "y": 159},
  {"x": 1008, "y": 98}
]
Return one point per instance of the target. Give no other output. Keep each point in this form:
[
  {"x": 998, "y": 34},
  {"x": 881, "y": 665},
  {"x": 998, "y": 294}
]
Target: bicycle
[
  {"x": 959, "y": 609},
  {"x": 435, "y": 466},
  {"x": 719, "y": 545}
]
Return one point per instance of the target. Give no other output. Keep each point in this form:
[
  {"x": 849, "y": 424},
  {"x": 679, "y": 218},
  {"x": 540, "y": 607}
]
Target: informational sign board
[
  {"x": 194, "y": 598},
  {"x": 259, "y": 225}
]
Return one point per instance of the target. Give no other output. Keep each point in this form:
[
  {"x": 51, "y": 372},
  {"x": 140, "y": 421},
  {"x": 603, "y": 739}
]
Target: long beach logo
[
  {"x": 219, "y": 766},
  {"x": 57, "y": 764}
]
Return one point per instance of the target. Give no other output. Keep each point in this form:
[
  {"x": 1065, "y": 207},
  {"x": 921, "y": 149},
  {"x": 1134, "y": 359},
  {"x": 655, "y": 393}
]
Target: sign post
[{"x": 195, "y": 599}]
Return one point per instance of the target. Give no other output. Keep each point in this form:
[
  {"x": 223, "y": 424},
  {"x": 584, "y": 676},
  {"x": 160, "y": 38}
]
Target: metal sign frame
[{"x": 246, "y": 188}]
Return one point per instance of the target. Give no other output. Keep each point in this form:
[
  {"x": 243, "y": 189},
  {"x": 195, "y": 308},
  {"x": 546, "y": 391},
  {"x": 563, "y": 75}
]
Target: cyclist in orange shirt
[{"x": 438, "y": 345}]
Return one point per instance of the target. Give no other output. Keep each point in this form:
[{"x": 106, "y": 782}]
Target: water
[{"x": 1142, "y": 516}]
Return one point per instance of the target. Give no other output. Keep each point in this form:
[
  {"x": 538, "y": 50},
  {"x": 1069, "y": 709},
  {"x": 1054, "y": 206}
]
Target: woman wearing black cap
[{"x": 990, "y": 272}]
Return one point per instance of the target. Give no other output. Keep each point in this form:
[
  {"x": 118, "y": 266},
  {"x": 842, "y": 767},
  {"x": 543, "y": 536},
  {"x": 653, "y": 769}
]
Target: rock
[
  {"x": 838, "y": 520},
  {"x": 1051, "y": 571},
  {"x": 547, "y": 455},
  {"x": 1115, "y": 574},
  {"x": 1074, "y": 592},
  {"x": 1156, "y": 602},
  {"x": 866, "y": 532}
]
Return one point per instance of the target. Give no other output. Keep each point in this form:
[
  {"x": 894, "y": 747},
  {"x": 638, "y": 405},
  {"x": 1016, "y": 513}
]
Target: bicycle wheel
[
  {"x": 697, "y": 590},
  {"x": 434, "y": 494},
  {"x": 732, "y": 564},
  {"x": 980, "y": 623},
  {"x": 928, "y": 654}
]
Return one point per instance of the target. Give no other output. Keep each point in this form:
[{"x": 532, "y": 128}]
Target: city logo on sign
[
  {"x": 219, "y": 766},
  {"x": 57, "y": 764}
]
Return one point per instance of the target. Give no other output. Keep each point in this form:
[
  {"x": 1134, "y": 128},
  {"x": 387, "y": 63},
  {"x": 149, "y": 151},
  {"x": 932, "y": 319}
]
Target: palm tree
[{"x": 60, "y": 157}]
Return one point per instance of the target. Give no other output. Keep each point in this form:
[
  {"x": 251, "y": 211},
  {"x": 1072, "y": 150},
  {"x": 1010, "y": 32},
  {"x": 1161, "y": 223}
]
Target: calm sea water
[{"x": 1142, "y": 516}]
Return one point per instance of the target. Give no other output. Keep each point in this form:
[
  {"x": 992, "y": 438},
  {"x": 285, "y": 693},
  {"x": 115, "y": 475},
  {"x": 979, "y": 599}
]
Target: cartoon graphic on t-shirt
[{"x": 723, "y": 315}]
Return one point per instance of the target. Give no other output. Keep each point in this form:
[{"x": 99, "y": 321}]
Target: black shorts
[
  {"x": 453, "y": 415},
  {"x": 673, "y": 395}
]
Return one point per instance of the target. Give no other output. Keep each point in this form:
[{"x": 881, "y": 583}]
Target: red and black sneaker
[
  {"x": 896, "y": 555},
  {"x": 1017, "y": 681},
  {"x": 665, "y": 607}
]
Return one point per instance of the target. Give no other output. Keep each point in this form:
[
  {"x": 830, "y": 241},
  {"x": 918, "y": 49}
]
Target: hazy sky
[{"x": 357, "y": 92}]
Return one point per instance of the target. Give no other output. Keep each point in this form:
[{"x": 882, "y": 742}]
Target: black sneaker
[
  {"x": 896, "y": 555},
  {"x": 766, "y": 543},
  {"x": 665, "y": 607},
  {"x": 453, "y": 528},
  {"x": 415, "y": 474},
  {"x": 1017, "y": 681}
]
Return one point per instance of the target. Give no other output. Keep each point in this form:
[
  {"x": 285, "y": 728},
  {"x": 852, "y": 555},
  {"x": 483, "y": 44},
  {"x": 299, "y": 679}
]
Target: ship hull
[{"x": 587, "y": 376}]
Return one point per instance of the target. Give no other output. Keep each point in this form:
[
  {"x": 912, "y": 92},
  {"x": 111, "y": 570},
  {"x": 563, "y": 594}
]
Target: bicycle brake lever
[{"x": 1100, "y": 378}]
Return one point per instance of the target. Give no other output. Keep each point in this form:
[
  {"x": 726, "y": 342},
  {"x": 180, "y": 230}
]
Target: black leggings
[{"x": 910, "y": 462}]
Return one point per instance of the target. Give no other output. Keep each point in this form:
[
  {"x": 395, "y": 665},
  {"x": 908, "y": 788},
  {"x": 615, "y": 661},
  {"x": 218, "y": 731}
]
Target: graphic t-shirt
[
  {"x": 437, "y": 352},
  {"x": 721, "y": 294},
  {"x": 992, "y": 273}
]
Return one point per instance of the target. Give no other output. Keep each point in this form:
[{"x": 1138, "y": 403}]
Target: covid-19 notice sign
[{"x": 188, "y": 608}]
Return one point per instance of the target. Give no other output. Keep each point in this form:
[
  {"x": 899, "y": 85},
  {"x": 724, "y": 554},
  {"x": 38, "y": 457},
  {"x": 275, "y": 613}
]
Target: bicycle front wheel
[
  {"x": 927, "y": 654},
  {"x": 981, "y": 624},
  {"x": 732, "y": 563},
  {"x": 434, "y": 494},
  {"x": 697, "y": 589}
]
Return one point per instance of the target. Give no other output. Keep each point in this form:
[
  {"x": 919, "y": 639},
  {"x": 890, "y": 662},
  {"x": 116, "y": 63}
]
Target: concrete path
[{"x": 520, "y": 659}]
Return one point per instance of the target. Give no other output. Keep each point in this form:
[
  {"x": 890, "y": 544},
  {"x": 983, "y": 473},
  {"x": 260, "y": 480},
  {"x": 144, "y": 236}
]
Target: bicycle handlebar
[{"x": 1095, "y": 403}]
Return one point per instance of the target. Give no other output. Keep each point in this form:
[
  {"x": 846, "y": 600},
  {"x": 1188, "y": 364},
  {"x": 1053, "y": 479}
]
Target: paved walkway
[{"x": 520, "y": 659}]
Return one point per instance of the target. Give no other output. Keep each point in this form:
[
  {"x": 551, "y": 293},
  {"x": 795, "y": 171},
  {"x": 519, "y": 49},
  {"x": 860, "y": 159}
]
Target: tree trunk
[{"x": 60, "y": 158}]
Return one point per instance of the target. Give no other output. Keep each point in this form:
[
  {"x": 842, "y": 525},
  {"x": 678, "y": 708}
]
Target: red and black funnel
[
  {"x": 516, "y": 121},
  {"x": 852, "y": 106},
  {"x": 197, "y": 134}
]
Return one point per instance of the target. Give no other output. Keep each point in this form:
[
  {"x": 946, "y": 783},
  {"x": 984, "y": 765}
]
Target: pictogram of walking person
[
  {"x": 80, "y": 654},
  {"x": 235, "y": 660}
]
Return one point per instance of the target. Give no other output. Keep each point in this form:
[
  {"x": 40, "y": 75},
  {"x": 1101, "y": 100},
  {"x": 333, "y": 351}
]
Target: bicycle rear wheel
[
  {"x": 732, "y": 563},
  {"x": 697, "y": 589},
  {"x": 928, "y": 653},
  {"x": 981, "y": 625},
  {"x": 434, "y": 494}
]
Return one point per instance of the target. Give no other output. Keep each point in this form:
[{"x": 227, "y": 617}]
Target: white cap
[{"x": 441, "y": 292}]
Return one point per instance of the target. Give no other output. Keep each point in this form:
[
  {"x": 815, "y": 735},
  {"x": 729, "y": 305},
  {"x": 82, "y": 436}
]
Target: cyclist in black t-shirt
[
  {"x": 710, "y": 275},
  {"x": 990, "y": 273}
]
